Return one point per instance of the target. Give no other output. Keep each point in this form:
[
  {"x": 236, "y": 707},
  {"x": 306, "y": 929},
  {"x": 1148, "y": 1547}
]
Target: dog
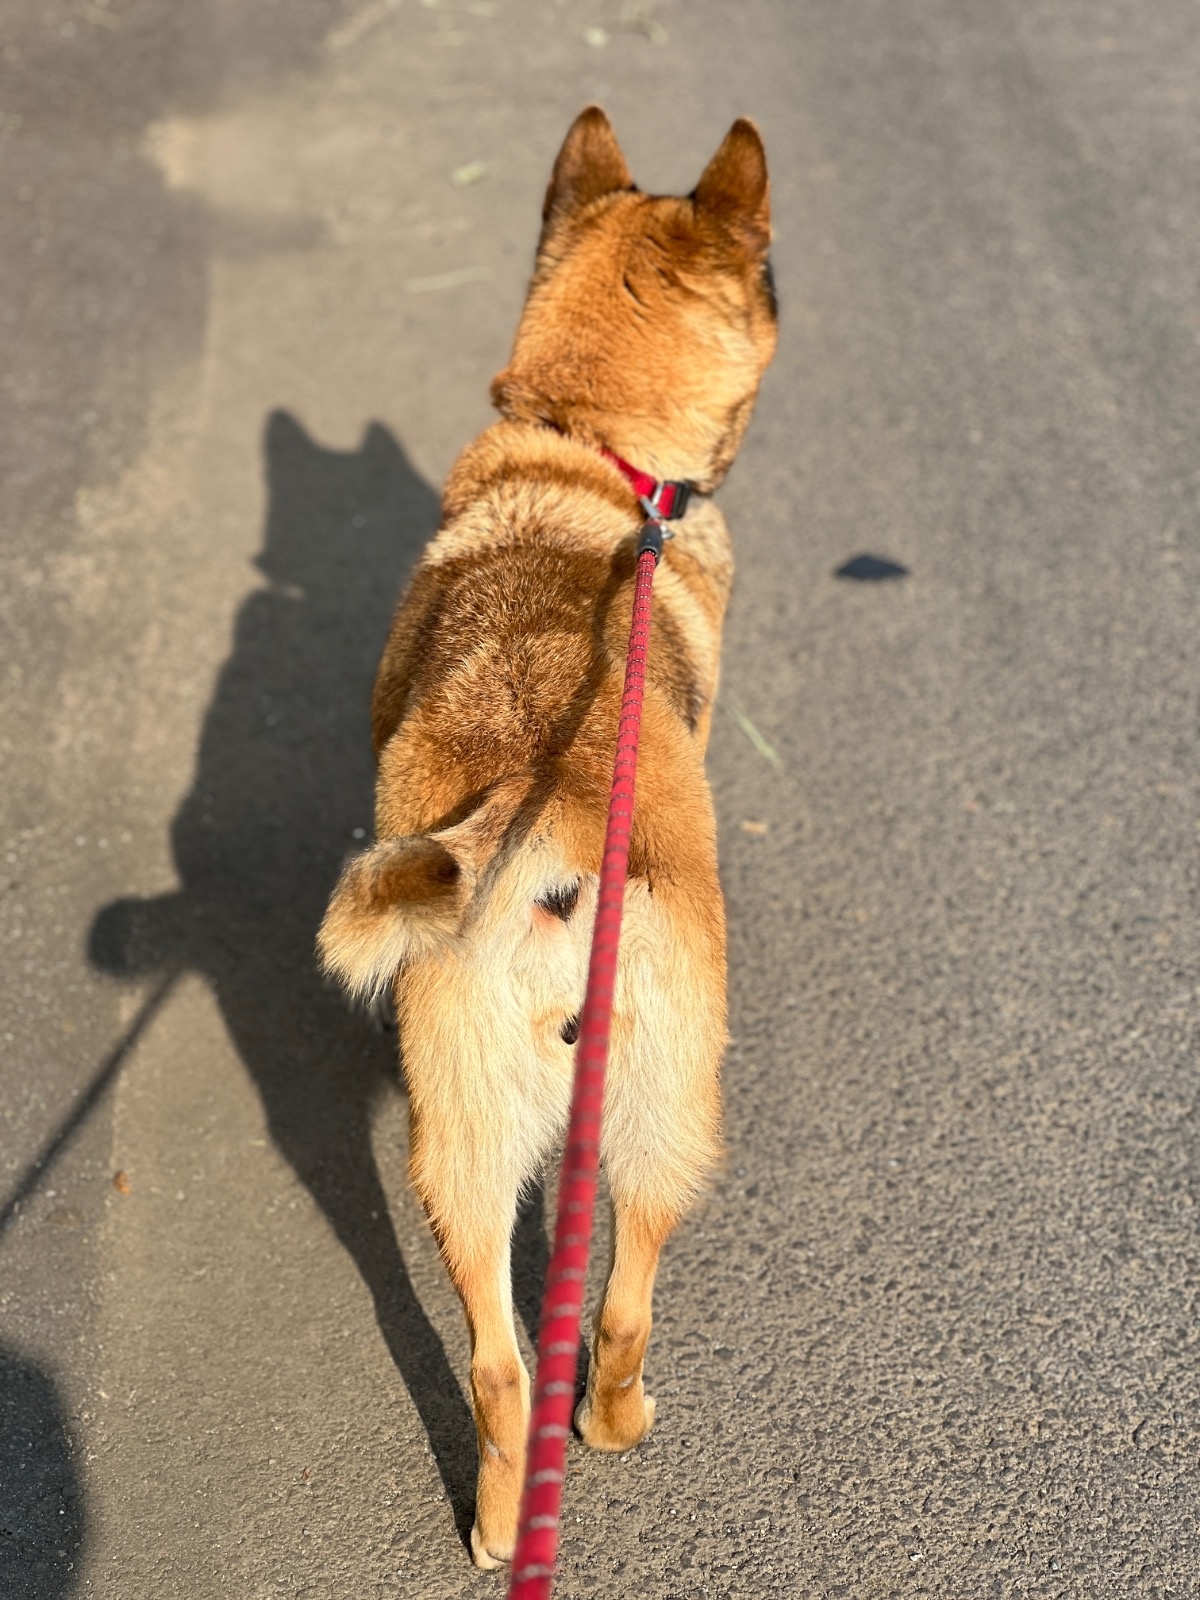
[{"x": 648, "y": 325}]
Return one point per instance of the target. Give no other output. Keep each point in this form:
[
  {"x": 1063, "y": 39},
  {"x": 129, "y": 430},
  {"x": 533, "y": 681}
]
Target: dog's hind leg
[
  {"x": 661, "y": 1119},
  {"x": 471, "y": 1201},
  {"x": 499, "y": 1398},
  {"x": 616, "y": 1413},
  {"x": 479, "y": 1127}
]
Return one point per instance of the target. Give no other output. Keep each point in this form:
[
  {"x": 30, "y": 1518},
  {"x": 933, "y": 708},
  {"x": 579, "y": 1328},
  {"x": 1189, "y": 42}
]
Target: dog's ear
[
  {"x": 734, "y": 189},
  {"x": 589, "y": 165}
]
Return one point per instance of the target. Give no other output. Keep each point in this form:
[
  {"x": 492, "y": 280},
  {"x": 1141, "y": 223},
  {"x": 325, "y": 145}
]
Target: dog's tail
[{"x": 400, "y": 898}]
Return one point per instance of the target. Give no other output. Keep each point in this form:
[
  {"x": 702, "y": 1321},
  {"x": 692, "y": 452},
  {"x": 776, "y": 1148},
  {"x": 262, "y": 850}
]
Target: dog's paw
[
  {"x": 487, "y": 1560},
  {"x": 615, "y": 1430}
]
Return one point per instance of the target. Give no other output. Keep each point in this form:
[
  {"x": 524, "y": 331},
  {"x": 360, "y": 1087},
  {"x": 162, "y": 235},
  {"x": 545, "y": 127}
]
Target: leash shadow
[{"x": 284, "y": 776}]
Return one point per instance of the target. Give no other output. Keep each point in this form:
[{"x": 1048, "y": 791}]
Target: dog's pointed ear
[
  {"x": 589, "y": 165},
  {"x": 734, "y": 189}
]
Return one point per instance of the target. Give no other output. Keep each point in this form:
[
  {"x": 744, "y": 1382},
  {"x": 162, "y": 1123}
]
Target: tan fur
[{"x": 647, "y": 328}]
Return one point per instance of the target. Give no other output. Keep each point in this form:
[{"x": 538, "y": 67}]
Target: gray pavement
[{"x": 934, "y": 1330}]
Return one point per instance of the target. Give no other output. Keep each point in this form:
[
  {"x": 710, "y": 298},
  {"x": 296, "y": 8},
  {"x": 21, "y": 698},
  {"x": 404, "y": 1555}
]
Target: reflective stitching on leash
[{"x": 558, "y": 1337}]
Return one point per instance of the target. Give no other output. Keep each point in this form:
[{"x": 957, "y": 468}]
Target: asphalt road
[{"x": 934, "y": 1331}]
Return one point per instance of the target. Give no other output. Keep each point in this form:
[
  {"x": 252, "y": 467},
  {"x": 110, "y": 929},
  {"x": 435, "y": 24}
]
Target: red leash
[{"x": 562, "y": 1307}]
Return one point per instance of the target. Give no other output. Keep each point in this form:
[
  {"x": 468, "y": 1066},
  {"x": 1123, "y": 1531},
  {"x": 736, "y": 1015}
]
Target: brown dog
[{"x": 648, "y": 326}]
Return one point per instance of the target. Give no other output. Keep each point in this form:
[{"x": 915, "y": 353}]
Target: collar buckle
[
  {"x": 669, "y": 499},
  {"x": 666, "y": 499}
]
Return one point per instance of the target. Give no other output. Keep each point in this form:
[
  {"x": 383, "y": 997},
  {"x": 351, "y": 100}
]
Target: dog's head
[{"x": 650, "y": 320}]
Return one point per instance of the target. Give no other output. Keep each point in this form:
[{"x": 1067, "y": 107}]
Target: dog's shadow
[{"x": 283, "y": 779}]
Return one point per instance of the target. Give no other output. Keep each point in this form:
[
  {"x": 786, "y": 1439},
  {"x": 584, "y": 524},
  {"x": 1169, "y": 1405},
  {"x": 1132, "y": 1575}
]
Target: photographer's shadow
[
  {"x": 283, "y": 779},
  {"x": 43, "y": 1516}
]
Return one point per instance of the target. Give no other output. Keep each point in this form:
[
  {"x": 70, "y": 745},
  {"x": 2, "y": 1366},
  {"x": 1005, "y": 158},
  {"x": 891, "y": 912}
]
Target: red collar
[{"x": 666, "y": 497}]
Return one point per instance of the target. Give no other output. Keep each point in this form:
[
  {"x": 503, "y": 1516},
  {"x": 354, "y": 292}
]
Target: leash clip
[{"x": 654, "y": 529}]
